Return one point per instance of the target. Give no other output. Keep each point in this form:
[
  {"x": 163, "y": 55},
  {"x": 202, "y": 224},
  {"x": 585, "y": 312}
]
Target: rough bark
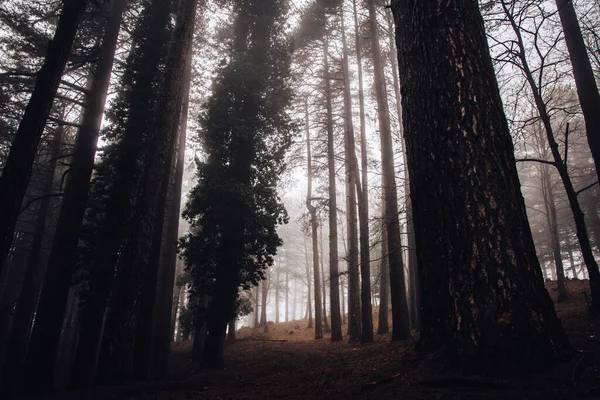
[
  {"x": 123, "y": 312},
  {"x": 585, "y": 81},
  {"x": 19, "y": 163},
  {"x": 400, "y": 318},
  {"x": 485, "y": 307},
  {"x": 334, "y": 279}
]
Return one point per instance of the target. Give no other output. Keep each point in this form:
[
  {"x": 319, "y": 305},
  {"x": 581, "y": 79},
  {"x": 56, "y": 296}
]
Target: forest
[{"x": 260, "y": 199}]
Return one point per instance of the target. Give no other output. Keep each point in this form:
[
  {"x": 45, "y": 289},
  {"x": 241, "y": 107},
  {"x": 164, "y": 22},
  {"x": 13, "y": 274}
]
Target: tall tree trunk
[
  {"x": 19, "y": 163},
  {"x": 400, "y": 318},
  {"x": 256, "y": 307},
  {"x": 585, "y": 81},
  {"x": 343, "y": 302},
  {"x": 287, "y": 295},
  {"x": 12, "y": 373},
  {"x": 550, "y": 206},
  {"x": 365, "y": 310},
  {"x": 413, "y": 275},
  {"x": 314, "y": 225},
  {"x": 334, "y": 278},
  {"x": 323, "y": 285},
  {"x": 161, "y": 328},
  {"x": 277, "y": 294},
  {"x": 578, "y": 215},
  {"x": 384, "y": 280},
  {"x": 484, "y": 302},
  {"x": 122, "y": 317},
  {"x": 263, "y": 312},
  {"x": 63, "y": 253}
]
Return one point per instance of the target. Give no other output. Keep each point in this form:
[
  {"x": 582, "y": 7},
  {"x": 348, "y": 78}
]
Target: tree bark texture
[{"x": 485, "y": 307}]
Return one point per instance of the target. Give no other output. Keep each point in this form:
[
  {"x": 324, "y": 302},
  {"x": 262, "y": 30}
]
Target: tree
[
  {"x": 314, "y": 225},
  {"x": 63, "y": 254},
  {"x": 246, "y": 130},
  {"x": 484, "y": 302},
  {"x": 122, "y": 316},
  {"x": 587, "y": 89},
  {"x": 17, "y": 170},
  {"x": 334, "y": 277},
  {"x": 400, "y": 322}
]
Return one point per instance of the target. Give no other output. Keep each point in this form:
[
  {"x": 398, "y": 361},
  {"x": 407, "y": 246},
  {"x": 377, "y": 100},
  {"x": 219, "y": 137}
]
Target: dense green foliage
[{"x": 234, "y": 209}]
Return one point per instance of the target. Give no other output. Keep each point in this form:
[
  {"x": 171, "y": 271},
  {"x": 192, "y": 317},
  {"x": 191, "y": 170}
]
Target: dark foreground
[{"x": 282, "y": 365}]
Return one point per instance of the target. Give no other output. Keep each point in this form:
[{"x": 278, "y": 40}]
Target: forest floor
[{"x": 288, "y": 363}]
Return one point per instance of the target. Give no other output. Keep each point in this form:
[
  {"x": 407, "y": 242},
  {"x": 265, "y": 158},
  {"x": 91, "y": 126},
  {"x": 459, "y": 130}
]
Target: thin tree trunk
[
  {"x": 365, "y": 310},
  {"x": 334, "y": 280},
  {"x": 256, "y": 307},
  {"x": 400, "y": 318},
  {"x": 384, "y": 282},
  {"x": 132, "y": 266},
  {"x": 585, "y": 81},
  {"x": 484, "y": 302},
  {"x": 550, "y": 206},
  {"x": 277, "y": 294},
  {"x": 323, "y": 285},
  {"x": 312, "y": 210},
  {"x": 413, "y": 276},
  {"x": 287, "y": 295},
  {"x": 578, "y": 215},
  {"x": 263, "y": 313},
  {"x": 19, "y": 163}
]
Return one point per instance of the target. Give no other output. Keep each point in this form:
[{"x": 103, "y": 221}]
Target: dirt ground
[{"x": 287, "y": 363}]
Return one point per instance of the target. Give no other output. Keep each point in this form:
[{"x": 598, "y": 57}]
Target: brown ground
[{"x": 281, "y": 364}]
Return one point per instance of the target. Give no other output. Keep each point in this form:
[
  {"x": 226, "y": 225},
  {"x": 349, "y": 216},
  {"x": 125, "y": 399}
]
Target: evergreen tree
[{"x": 234, "y": 210}]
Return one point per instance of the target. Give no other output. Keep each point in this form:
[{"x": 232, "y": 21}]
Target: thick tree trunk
[
  {"x": 578, "y": 215},
  {"x": 365, "y": 310},
  {"x": 314, "y": 225},
  {"x": 485, "y": 307},
  {"x": 19, "y": 164},
  {"x": 200, "y": 330},
  {"x": 585, "y": 81},
  {"x": 400, "y": 318},
  {"x": 334, "y": 279},
  {"x": 123, "y": 313},
  {"x": 550, "y": 206}
]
